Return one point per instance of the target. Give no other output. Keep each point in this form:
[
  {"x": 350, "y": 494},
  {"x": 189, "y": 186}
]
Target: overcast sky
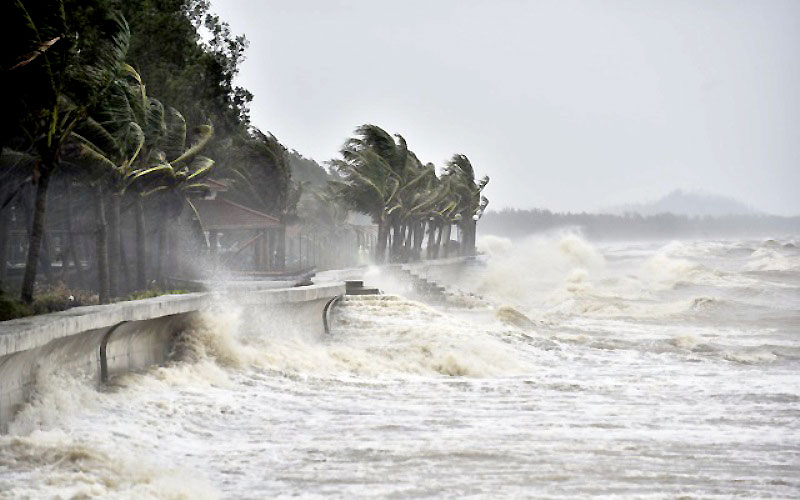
[{"x": 569, "y": 105}]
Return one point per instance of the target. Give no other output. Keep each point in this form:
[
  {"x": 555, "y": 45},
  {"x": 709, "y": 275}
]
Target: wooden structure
[{"x": 232, "y": 228}]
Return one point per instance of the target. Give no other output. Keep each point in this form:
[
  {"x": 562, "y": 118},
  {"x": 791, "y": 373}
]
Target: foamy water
[{"x": 641, "y": 369}]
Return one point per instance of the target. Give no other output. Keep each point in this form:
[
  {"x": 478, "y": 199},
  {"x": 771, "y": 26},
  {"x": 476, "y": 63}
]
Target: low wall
[{"x": 102, "y": 341}]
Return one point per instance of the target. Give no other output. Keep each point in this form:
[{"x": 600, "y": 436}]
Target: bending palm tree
[
  {"x": 58, "y": 88},
  {"x": 471, "y": 203}
]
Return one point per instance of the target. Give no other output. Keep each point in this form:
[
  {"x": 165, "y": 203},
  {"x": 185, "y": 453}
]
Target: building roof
[{"x": 219, "y": 214}]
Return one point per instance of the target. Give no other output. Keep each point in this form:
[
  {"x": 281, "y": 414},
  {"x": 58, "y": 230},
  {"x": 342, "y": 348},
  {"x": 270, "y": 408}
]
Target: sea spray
[
  {"x": 384, "y": 336},
  {"x": 46, "y": 454},
  {"x": 523, "y": 273},
  {"x": 54, "y": 395},
  {"x": 213, "y": 334},
  {"x": 54, "y": 464}
]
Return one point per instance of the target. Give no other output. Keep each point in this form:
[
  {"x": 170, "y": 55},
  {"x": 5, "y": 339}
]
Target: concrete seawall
[
  {"x": 446, "y": 272},
  {"x": 103, "y": 341}
]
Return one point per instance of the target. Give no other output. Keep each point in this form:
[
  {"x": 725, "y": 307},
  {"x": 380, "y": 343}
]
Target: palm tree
[
  {"x": 174, "y": 171},
  {"x": 58, "y": 82},
  {"x": 379, "y": 174},
  {"x": 143, "y": 149},
  {"x": 382, "y": 178},
  {"x": 367, "y": 186},
  {"x": 471, "y": 203},
  {"x": 264, "y": 174},
  {"x": 107, "y": 144}
]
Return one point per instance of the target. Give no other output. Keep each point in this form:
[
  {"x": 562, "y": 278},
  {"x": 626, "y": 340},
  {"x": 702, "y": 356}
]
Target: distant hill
[{"x": 687, "y": 203}]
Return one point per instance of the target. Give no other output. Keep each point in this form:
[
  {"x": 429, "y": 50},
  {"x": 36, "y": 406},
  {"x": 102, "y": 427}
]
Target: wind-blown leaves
[{"x": 383, "y": 178}]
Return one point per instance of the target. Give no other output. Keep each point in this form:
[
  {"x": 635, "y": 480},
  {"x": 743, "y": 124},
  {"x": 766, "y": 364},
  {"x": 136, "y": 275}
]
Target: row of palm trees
[
  {"x": 86, "y": 117},
  {"x": 83, "y": 116},
  {"x": 411, "y": 204}
]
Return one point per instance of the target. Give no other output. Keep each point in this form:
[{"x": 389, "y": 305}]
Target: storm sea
[{"x": 555, "y": 367}]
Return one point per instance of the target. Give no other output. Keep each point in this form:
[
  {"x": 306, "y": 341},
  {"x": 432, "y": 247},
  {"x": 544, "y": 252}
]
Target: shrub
[{"x": 12, "y": 309}]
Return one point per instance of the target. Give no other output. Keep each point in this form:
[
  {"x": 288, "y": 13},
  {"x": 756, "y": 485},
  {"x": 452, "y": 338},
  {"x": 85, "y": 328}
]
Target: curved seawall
[{"x": 103, "y": 341}]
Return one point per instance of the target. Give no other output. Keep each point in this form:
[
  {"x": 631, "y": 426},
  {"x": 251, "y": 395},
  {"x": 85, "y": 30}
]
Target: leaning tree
[{"x": 56, "y": 79}]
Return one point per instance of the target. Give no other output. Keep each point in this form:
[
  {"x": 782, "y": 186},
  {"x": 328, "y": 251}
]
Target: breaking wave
[
  {"x": 768, "y": 259},
  {"x": 520, "y": 273},
  {"x": 388, "y": 336}
]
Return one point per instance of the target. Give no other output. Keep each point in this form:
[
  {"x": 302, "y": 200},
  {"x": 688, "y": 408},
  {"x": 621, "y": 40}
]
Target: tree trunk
[
  {"x": 380, "y": 245},
  {"x": 162, "y": 254},
  {"x": 472, "y": 227},
  {"x": 445, "y": 237},
  {"x": 73, "y": 250},
  {"x": 101, "y": 243},
  {"x": 114, "y": 246},
  {"x": 419, "y": 235},
  {"x": 125, "y": 269},
  {"x": 141, "y": 244},
  {"x": 280, "y": 250},
  {"x": 172, "y": 257},
  {"x": 4, "y": 226},
  {"x": 44, "y": 256},
  {"x": 431, "y": 240},
  {"x": 409, "y": 243},
  {"x": 37, "y": 231},
  {"x": 397, "y": 242},
  {"x": 437, "y": 246}
]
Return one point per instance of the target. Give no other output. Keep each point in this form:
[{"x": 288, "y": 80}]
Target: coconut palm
[
  {"x": 106, "y": 146},
  {"x": 58, "y": 83},
  {"x": 379, "y": 176},
  {"x": 143, "y": 148},
  {"x": 471, "y": 203},
  {"x": 175, "y": 173},
  {"x": 368, "y": 186},
  {"x": 264, "y": 174}
]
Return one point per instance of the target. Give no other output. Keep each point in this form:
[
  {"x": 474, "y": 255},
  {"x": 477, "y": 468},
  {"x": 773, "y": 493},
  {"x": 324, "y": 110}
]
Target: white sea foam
[
  {"x": 520, "y": 274},
  {"x": 379, "y": 336},
  {"x": 768, "y": 259}
]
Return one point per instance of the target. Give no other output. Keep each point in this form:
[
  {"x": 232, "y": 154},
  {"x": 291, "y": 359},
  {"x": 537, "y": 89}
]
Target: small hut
[{"x": 240, "y": 238}]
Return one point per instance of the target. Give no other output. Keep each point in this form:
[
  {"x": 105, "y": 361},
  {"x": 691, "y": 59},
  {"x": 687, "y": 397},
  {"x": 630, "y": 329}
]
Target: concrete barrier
[
  {"x": 446, "y": 272},
  {"x": 102, "y": 341},
  {"x": 443, "y": 271}
]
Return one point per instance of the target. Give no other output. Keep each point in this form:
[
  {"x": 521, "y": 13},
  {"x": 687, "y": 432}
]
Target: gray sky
[{"x": 569, "y": 105}]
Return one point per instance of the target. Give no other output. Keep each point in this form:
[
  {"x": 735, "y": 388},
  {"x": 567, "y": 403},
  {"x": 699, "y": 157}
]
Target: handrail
[
  {"x": 326, "y": 311},
  {"x": 103, "y": 353}
]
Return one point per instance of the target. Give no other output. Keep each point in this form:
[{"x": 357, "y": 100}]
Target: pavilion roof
[{"x": 219, "y": 214}]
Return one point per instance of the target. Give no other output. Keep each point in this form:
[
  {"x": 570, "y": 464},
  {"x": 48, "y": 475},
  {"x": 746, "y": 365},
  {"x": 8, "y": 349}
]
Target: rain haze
[
  {"x": 566, "y": 105},
  {"x": 400, "y": 249}
]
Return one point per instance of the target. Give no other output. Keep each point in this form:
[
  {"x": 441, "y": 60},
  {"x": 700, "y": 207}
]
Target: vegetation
[
  {"x": 122, "y": 116},
  {"x": 382, "y": 178},
  {"x": 52, "y": 298}
]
